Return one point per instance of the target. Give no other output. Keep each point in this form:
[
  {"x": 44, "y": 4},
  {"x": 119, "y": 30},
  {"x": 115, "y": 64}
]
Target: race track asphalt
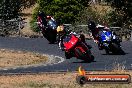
[{"x": 40, "y": 45}]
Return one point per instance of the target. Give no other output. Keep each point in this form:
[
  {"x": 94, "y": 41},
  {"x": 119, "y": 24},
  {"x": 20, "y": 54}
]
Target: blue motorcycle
[{"x": 110, "y": 42}]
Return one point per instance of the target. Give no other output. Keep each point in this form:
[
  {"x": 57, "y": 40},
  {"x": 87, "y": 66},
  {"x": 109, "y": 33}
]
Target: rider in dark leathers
[
  {"x": 96, "y": 30},
  {"x": 42, "y": 23}
]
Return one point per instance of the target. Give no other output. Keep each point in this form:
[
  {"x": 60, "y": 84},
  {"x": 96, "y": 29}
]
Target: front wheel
[
  {"x": 117, "y": 49},
  {"x": 67, "y": 55}
]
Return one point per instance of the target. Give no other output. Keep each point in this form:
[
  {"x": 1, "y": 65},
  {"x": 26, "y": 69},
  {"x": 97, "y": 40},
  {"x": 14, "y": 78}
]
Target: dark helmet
[
  {"x": 91, "y": 25},
  {"x": 42, "y": 14},
  {"x": 59, "y": 21}
]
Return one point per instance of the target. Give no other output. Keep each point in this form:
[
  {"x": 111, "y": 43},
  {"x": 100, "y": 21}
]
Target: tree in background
[
  {"x": 11, "y": 8},
  {"x": 122, "y": 14},
  {"x": 67, "y": 10}
]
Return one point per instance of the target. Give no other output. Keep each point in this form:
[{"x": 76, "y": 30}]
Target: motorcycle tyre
[
  {"x": 78, "y": 53},
  {"x": 52, "y": 37},
  {"x": 117, "y": 49},
  {"x": 67, "y": 55},
  {"x": 83, "y": 57}
]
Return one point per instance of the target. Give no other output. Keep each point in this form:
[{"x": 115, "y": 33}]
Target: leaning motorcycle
[
  {"x": 110, "y": 43},
  {"x": 74, "y": 47}
]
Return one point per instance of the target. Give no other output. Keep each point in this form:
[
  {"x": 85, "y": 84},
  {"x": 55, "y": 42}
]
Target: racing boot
[{"x": 100, "y": 46}]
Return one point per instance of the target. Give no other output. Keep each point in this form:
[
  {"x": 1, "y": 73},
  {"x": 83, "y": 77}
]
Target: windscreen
[
  {"x": 67, "y": 38},
  {"x": 52, "y": 24}
]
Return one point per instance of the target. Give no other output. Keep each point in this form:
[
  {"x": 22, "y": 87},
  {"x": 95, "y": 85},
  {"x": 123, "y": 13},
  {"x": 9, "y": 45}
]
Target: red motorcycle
[{"x": 74, "y": 47}]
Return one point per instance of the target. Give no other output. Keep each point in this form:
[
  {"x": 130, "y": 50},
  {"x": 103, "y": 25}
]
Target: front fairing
[
  {"x": 106, "y": 36},
  {"x": 70, "y": 41},
  {"x": 52, "y": 24}
]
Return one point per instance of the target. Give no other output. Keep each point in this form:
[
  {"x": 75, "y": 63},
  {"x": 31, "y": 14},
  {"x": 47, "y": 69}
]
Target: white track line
[{"x": 51, "y": 57}]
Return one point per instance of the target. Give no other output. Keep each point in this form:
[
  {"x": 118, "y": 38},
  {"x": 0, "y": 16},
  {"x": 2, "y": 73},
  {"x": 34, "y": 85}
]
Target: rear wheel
[
  {"x": 107, "y": 51},
  {"x": 86, "y": 57},
  {"x": 89, "y": 58},
  {"x": 122, "y": 52},
  {"x": 78, "y": 53},
  {"x": 117, "y": 49}
]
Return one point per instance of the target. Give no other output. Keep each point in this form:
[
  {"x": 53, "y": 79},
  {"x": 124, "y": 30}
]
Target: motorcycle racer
[
  {"x": 47, "y": 25},
  {"x": 41, "y": 20},
  {"x": 81, "y": 36}
]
